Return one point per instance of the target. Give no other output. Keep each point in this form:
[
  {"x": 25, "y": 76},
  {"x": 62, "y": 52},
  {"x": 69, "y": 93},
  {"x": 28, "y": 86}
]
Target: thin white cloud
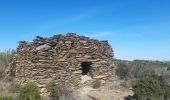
[
  {"x": 113, "y": 34},
  {"x": 89, "y": 13},
  {"x": 53, "y": 23},
  {"x": 99, "y": 34}
]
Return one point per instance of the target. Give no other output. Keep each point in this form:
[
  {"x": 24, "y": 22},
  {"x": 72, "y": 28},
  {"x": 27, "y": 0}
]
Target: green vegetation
[
  {"x": 165, "y": 84},
  {"x": 152, "y": 78},
  {"x": 168, "y": 68},
  {"x": 28, "y": 91},
  {"x": 5, "y": 59},
  {"x": 151, "y": 88},
  {"x": 148, "y": 88},
  {"x": 5, "y": 98},
  {"x": 140, "y": 68},
  {"x": 55, "y": 90},
  {"x": 15, "y": 88}
]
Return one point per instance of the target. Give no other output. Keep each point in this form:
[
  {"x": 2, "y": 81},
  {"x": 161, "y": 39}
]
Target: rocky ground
[{"x": 111, "y": 91}]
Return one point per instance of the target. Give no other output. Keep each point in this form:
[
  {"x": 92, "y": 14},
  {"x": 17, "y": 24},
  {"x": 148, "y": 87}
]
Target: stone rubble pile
[{"x": 60, "y": 58}]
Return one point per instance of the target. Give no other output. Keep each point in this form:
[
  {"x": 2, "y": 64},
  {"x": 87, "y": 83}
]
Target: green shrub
[
  {"x": 15, "y": 88},
  {"x": 28, "y": 91},
  {"x": 1, "y": 73},
  {"x": 5, "y": 98},
  {"x": 166, "y": 90},
  {"x": 148, "y": 88},
  {"x": 5, "y": 59},
  {"x": 165, "y": 80},
  {"x": 55, "y": 90},
  {"x": 140, "y": 68},
  {"x": 96, "y": 84},
  {"x": 168, "y": 68}
]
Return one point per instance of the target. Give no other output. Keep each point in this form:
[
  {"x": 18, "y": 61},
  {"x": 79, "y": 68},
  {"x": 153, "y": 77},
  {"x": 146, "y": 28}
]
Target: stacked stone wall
[{"x": 60, "y": 58}]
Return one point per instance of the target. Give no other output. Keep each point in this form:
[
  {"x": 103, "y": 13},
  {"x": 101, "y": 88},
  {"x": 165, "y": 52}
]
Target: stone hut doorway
[{"x": 86, "y": 68}]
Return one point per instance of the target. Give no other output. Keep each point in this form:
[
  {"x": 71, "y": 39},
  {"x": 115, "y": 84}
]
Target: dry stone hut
[{"x": 63, "y": 58}]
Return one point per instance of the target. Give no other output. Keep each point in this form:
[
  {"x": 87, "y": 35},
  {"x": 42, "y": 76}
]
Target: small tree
[{"x": 54, "y": 89}]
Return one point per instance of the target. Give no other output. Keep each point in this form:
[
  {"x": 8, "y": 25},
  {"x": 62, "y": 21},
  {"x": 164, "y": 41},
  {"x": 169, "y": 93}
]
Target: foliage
[
  {"x": 153, "y": 78},
  {"x": 165, "y": 80},
  {"x": 168, "y": 68},
  {"x": 5, "y": 98},
  {"x": 148, "y": 88},
  {"x": 5, "y": 59},
  {"x": 28, "y": 91},
  {"x": 15, "y": 88},
  {"x": 55, "y": 90},
  {"x": 140, "y": 68},
  {"x": 166, "y": 90},
  {"x": 122, "y": 69}
]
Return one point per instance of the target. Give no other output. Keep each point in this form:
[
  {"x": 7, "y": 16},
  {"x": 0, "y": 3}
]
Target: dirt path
[{"x": 121, "y": 94}]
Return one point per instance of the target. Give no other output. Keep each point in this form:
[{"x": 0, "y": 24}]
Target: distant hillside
[{"x": 141, "y": 68}]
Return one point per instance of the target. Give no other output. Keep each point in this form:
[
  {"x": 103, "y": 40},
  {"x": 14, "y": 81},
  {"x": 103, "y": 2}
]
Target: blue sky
[{"x": 136, "y": 29}]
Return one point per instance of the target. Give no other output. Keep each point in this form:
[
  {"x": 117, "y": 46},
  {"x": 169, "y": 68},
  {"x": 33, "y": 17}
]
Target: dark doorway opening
[{"x": 86, "y": 67}]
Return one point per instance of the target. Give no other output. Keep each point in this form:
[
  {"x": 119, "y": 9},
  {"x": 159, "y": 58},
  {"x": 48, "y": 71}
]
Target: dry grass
[
  {"x": 4, "y": 88},
  {"x": 5, "y": 59},
  {"x": 111, "y": 91}
]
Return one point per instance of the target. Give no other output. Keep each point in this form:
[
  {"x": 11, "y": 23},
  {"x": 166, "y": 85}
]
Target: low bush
[
  {"x": 140, "y": 68},
  {"x": 165, "y": 84},
  {"x": 148, "y": 88},
  {"x": 168, "y": 68},
  {"x": 5, "y": 59},
  {"x": 28, "y": 91},
  {"x": 55, "y": 90},
  {"x": 15, "y": 88},
  {"x": 5, "y": 98}
]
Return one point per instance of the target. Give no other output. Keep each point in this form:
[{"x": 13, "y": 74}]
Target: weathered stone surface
[
  {"x": 60, "y": 58},
  {"x": 99, "y": 77}
]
